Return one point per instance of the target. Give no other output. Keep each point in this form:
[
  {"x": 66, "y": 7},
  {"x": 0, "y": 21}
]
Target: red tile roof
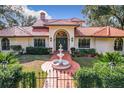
[
  {"x": 48, "y": 22},
  {"x": 22, "y": 31},
  {"x": 99, "y": 32},
  {"x": 79, "y": 32}
]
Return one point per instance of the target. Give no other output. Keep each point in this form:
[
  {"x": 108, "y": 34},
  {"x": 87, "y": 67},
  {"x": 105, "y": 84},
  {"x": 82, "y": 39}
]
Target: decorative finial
[{"x": 60, "y": 46}]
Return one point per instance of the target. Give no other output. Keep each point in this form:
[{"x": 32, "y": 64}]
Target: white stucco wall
[
  {"x": 101, "y": 45},
  {"x": 104, "y": 45},
  {"x": 24, "y": 41}
]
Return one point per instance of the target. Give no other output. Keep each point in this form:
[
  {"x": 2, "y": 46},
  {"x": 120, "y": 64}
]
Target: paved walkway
[{"x": 60, "y": 79}]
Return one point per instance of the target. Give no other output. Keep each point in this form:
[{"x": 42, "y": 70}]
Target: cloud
[{"x": 28, "y": 11}]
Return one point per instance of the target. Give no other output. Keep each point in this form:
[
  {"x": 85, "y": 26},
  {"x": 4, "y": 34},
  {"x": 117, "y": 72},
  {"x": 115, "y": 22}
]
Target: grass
[
  {"x": 33, "y": 63},
  {"x": 84, "y": 61},
  {"x": 28, "y": 58}
]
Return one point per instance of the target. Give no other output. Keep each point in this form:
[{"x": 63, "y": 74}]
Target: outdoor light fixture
[
  {"x": 72, "y": 39},
  {"x": 4, "y": 64},
  {"x": 50, "y": 39}
]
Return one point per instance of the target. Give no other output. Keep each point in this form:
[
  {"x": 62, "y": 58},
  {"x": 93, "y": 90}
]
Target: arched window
[
  {"x": 5, "y": 44},
  {"x": 118, "y": 44}
]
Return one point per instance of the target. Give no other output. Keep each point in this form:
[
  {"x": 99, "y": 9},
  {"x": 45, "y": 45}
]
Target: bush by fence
[
  {"x": 100, "y": 76},
  {"x": 87, "y": 78},
  {"x": 37, "y": 50},
  {"x": 28, "y": 80},
  {"x": 10, "y": 78}
]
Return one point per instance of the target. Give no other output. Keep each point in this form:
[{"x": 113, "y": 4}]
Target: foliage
[
  {"x": 87, "y": 78},
  {"x": 12, "y": 74},
  {"x": 28, "y": 80},
  {"x": 16, "y": 47},
  {"x": 102, "y": 15},
  {"x": 73, "y": 51},
  {"x": 114, "y": 57},
  {"x": 10, "y": 14},
  {"x": 101, "y": 74},
  {"x": 10, "y": 77},
  {"x": 28, "y": 20},
  {"x": 37, "y": 50},
  {"x": 111, "y": 78},
  {"x": 84, "y": 52},
  {"x": 9, "y": 57}
]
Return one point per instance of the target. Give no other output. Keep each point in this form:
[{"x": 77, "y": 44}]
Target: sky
[{"x": 57, "y": 11}]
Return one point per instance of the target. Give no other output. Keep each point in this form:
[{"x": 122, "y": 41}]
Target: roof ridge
[
  {"x": 99, "y": 30},
  {"x": 108, "y": 30}
]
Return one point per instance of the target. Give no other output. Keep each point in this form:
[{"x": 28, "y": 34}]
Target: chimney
[{"x": 42, "y": 16}]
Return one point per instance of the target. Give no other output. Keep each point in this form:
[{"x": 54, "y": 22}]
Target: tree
[
  {"x": 112, "y": 15},
  {"x": 28, "y": 20},
  {"x": 10, "y": 15}
]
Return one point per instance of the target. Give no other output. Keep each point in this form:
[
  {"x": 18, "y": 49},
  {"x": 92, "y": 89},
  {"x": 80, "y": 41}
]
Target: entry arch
[{"x": 61, "y": 36}]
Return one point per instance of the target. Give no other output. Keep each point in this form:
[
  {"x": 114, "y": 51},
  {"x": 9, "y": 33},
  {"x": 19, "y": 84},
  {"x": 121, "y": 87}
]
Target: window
[
  {"x": 39, "y": 42},
  {"x": 84, "y": 43},
  {"x": 118, "y": 44},
  {"x": 5, "y": 44}
]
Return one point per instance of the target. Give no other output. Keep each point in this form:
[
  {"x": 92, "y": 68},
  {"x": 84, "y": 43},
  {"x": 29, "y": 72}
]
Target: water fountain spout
[{"x": 60, "y": 64}]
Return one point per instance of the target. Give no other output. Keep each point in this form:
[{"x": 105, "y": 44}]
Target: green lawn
[
  {"x": 28, "y": 58},
  {"x": 84, "y": 61},
  {"x": 33, "y": 63}
]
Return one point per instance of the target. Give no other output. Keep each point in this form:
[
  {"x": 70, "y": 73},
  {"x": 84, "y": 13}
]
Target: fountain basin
[
  {"x": 60, "y": 55},
  {"x": 64, "y": 64}
]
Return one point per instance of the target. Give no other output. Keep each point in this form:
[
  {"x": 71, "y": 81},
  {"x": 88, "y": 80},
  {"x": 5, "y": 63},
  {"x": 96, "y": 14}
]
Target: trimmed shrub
[
  {"x": 28, "y": 80},
  {"x": 102, "y": 74},
  {"x": 16, "y": 47},
  {"x": 85, "y": 52},
  {"x": 37, "y": 50},
  {"x": 87, "y": 78}
]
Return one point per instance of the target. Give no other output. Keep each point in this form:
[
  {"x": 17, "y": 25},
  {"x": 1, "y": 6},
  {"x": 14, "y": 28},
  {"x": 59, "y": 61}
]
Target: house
[{"x": 68, "y": 32}]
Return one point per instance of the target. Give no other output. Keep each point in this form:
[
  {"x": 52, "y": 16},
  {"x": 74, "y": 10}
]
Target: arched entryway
[{"x": 62, "y": 38}]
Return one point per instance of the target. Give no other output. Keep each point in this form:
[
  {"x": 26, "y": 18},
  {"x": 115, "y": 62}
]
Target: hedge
[
  {"x": 28, "y": 80},
  {"x": 37, "y": 50},
  {"x": 83, "y": 52},
  {"x": 16, "y": 47},
  {"x": 87, "y": 78},
  {"x": 100, "y": 77}
]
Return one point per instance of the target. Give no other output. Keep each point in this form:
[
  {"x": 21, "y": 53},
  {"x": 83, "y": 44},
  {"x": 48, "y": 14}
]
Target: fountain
[{"x": 60, "y": 64}]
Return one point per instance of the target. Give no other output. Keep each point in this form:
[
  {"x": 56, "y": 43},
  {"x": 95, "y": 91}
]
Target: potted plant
[
  {"x": 73, "y": 51},
  {"x": 50, "y": 50}
]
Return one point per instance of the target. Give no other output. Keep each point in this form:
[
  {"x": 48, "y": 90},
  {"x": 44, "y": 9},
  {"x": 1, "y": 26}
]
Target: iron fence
[{"x": 49, "y": 79}]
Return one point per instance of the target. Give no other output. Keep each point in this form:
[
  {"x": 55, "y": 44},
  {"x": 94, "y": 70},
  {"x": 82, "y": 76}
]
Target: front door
[{"x": 63, "y": 42}]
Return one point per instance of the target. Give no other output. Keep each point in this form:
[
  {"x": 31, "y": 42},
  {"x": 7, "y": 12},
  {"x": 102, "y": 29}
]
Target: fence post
[
  {"x": 56, "y": 79},
  {"x": 64, "y": 79},
  {"x": 67, "y": 86},
  {"x": 46, "y": 84},
  {"x": 39, "y": 79}
]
